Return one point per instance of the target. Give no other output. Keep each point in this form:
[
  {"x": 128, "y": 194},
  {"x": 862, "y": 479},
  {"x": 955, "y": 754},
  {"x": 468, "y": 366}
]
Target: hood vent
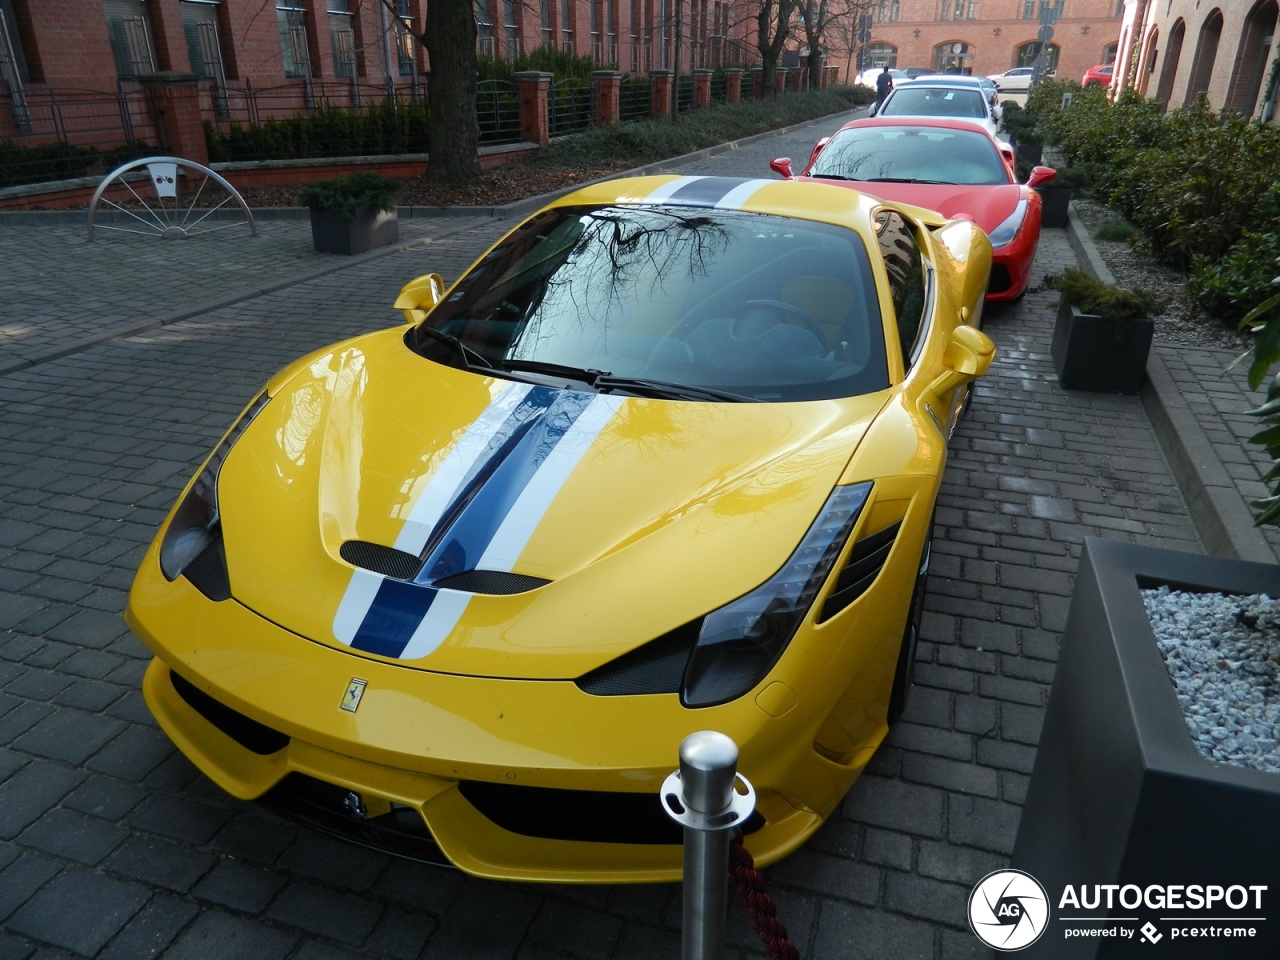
[
  {"x": 387, "y": 561},
  {"x": 656, "y": 667},
  {"x": 399, "y": 565},
  {"x": 494, "y": 582},
  {"x": 865, "y": 562}
]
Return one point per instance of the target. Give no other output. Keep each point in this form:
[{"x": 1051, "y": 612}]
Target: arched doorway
[
  {"x": 1168, "y": 72},
  {"x": 1149, "y": 56},
  {"x": 1206, "y": 54},
  {"x": 1252, "y": 58},
  {"x": 1028, "y": 52},
  {"x": 954, "y": 56}
]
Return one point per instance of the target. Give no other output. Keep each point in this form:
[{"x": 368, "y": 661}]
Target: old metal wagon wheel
[{"x": 170, "y": 198}]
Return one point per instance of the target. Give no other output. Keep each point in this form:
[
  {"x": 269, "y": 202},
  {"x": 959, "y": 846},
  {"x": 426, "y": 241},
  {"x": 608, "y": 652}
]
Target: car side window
[{"x": 905, "y": 267}]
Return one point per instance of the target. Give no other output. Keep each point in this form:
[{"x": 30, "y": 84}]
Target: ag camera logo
[{"x": 1008, "y": 910}]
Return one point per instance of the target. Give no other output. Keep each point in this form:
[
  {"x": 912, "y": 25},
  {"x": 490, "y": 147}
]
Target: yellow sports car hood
[{"x": 475, "y": 525}]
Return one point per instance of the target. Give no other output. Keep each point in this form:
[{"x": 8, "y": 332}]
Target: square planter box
[
  {"x": 1120, "y": 795},
  {"x": 1088, "y": 355},
  {"x": 331, "y": 234},
  {"x": 1057, "y": 201}
]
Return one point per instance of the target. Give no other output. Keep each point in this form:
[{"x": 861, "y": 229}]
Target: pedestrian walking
[{"x": 884, "y": 83}]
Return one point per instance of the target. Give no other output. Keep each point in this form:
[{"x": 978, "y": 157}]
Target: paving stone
[
  {"x": 856, "y": 933},
  {"x": 78, "y": 910},
  {"x": 151, "y": 931},
  {"x": 65, "y": 833},
  {"x": 467, "y": 930},
  {"x": 160, "y": 863},
  {"x": 576, "y": 930},
  {"x": 240, "y": 886},
  {"x": 71, "y": 736},
  {"x": 28, "y": 793},
  {"x": 325, "y": 912},
  {"x": 221, "y": 936}
]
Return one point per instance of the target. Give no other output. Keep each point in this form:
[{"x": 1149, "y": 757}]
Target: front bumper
[{"x": 459, "y": 751}]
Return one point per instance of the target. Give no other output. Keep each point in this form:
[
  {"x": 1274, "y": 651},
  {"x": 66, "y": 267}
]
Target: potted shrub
[
  {"x": 1103, "y": 334},
  {"x": 354, "y": 213},
  {"x": 1058, "y": 192}
]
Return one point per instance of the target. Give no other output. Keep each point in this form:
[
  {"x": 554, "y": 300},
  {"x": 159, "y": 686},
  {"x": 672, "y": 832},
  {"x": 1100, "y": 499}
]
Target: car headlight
[
  {"x": 739, "y": 643},
  {"x": 192, "y": 528},
  {"x": 1010, "y": 226}
]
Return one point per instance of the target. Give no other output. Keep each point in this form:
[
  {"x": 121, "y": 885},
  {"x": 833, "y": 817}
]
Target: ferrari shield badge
[{"x": 351, "y": 699}]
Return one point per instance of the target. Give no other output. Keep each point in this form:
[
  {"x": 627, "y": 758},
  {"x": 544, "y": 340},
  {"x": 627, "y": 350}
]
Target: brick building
[
  {"x": 1178, "y": 49},
  {"x": 991, "y": 36},
  {"x": 272, "y": 57}
]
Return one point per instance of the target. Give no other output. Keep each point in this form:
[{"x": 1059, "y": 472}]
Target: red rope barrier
[{"x": 764, "y": 916}]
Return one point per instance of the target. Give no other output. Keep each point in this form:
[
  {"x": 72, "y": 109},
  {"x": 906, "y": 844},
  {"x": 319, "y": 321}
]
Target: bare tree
[
  {"x": 819, "y": 17},
  {"x": 774, "y": 28}
]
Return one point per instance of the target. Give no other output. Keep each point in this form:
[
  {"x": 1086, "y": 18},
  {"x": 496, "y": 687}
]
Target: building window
[
  {"x": 485, "y": 45},
  {"x": 566, "y": 26},
  {"x": 959, "y": 9},
  {"x": 406, "y": 45},
  {"x": 13, "y": 62},
  {"x": 887, "y": 11},
  {"x": 954, "y": 57},
  {"x": 342, "y": 38},
  {"x": 292, "y": 21},
  {"x": 544, "y": 12},
  {"x": 1030, "y": 9},
  {"x": 130, "y": 37}
]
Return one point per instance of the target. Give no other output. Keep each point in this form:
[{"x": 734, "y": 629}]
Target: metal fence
[
  {"x": 498, "y": 111},
  {"x": 633, "y": 99},
  {"x": 54, "y": 134},
  {"x": 571, "y": 106}
]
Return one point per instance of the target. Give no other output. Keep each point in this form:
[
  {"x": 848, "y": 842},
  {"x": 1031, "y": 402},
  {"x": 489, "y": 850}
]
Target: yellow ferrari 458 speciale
[{"x": 663, "y": 460}]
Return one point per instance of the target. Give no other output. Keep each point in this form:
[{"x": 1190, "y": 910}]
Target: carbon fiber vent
[
  {"x": 656, "y": 667},
  {"x": 865, "y": 562},
  {"x": 208, "y": 571},
  {"x": 491, "y": 581},
  {"x": 387, "y": 561}
]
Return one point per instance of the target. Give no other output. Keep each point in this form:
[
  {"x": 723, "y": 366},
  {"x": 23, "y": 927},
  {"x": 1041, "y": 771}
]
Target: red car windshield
[{"x": 912, "y": 155}]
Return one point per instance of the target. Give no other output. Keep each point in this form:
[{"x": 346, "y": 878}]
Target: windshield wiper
[
  {"x": 584, "y": 375},
  {"x": 830, "y": 176},
  {"x": 664, "y": 390},
  {"x": 472, "y": 359},
  {"x": 903, "y": 180}
]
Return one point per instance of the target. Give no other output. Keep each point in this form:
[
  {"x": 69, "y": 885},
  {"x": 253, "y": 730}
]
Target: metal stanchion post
[{"x": 701, "y": 796}]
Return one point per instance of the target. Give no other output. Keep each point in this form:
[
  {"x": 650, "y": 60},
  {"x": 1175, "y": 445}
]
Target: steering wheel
[{"x": 790, "y": 313}]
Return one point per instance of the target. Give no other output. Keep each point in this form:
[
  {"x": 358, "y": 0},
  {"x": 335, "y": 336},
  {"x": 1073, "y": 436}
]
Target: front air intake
[{"x": 387, "y": 561}]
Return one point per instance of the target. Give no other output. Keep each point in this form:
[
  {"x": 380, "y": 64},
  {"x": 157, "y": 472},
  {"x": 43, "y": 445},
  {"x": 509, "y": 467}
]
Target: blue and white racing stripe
[
  {"x": 722, "y": 193},
  {"x": 477, "y": 512}
]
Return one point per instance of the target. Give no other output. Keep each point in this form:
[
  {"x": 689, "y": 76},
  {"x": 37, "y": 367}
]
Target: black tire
[{"x": 904, "y": 673}]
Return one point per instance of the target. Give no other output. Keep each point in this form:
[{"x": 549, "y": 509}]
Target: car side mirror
[
  {"x": 1040, "y": 176},
  {"x": 781, "y": 166},
  {"x": 967, "y": 356},
  {"x": 419, "y": 295}
]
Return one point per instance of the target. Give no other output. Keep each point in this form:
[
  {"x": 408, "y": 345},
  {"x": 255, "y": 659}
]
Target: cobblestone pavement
[{"x": 113, "y": 846}]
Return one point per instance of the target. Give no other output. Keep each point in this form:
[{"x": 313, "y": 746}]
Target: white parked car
[
  {"x": 1017, "y": 80},
  {"x": 939, "y": 98}
]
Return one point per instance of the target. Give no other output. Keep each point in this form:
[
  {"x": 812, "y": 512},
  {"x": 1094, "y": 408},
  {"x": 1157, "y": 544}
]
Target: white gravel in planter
[{"x": 1223, "y": 654}]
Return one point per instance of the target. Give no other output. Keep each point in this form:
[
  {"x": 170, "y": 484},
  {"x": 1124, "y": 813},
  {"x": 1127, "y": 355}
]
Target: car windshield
[
  {"x": 925, "y": 154},
  {"x": 650, "y": 300},
  {"x": 913, "y": 101}
]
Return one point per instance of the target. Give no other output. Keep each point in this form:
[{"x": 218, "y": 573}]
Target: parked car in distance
[
  {"x": 985, "y": 84},
  {"x": 941, "y": 98},
  {"x": 664, "y": 459},
  {"x": 945, "y": 165},
  {"x": 1017, "y": 80},
  {"x": 868, "y": 77},
  {"x": 1099, "y": 76}
]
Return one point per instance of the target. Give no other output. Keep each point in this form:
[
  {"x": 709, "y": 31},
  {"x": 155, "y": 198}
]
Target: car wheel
[{"x": 903, "y": 675}]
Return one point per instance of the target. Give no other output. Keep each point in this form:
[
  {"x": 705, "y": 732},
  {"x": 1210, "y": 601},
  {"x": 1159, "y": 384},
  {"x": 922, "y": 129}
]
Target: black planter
[
  {"x": 1057, "y": 201},
  {"x": 1030, "y": 152},
  {"x": 1120, "y": 795},
  {"x": 369, "y": 229},
  {"x": 1090, "y": 353}
]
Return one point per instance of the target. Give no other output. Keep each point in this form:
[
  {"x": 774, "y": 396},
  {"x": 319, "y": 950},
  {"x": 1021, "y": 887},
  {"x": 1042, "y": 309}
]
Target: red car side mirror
[{"x": 782, "y": 166}]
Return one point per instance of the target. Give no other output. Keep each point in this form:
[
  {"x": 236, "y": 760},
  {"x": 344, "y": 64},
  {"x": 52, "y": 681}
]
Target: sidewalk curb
[{"x": 1222, "y": 518}]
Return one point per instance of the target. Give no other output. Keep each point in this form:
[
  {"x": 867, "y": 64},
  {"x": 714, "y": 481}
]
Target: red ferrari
[{"x": 946, "y": 165}]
